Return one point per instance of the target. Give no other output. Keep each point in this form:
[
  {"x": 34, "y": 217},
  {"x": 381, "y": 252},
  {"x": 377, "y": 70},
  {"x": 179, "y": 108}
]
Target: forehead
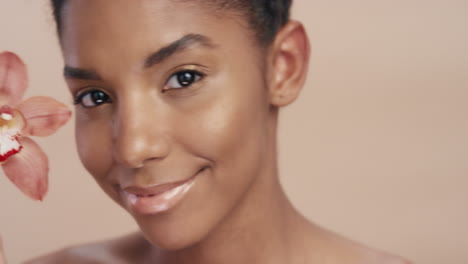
[{"x": 98, "y": 27}]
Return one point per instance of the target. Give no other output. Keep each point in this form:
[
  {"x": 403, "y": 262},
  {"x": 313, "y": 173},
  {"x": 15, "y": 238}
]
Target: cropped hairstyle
[{"x": 265, "y": 17}]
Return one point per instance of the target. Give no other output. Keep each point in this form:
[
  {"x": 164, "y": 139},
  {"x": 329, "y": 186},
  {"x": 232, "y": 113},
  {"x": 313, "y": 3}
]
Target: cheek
[
  {"x": 94, "y": 145},
  {"x": 230, "y": 132}
]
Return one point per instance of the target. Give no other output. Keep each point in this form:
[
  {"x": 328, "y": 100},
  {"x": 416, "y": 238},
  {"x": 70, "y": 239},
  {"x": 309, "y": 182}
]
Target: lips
[
  {"x": 154, "y": 190},
  {"x": 151, "y": 200}
]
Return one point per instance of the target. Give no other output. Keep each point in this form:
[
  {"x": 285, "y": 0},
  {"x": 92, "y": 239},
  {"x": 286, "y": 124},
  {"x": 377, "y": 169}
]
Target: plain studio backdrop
[{"x": 376, "y": 147}]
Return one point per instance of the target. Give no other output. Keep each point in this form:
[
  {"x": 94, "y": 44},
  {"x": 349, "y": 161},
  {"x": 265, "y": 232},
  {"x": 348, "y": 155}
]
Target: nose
[{"x": 140, "y": 133}]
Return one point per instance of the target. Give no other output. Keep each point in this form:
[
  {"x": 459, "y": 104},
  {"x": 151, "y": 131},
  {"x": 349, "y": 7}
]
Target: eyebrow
[
  {"x": 176, "y": 47},
  {"x": 157, "y": 57},
  {"x": 77, "y": 73}
]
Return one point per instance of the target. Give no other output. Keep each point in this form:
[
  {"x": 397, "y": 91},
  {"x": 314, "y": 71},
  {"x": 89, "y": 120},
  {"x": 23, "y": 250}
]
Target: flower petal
[
  {"x": 29, "y": 169},
  {"x": 13, "y": 78},
  {"x": 2, "y": 255},
  {"x": 44, "y": 115}
]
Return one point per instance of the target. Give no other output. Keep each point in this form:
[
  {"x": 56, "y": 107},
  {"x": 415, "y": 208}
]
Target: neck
[{"x": 263, "y": 228}]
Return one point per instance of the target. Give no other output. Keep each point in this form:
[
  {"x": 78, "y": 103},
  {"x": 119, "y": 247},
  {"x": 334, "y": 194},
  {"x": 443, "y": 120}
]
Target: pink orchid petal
[
  {"x": 13, "y": 78},
  {"x": 44, "y": 115},
  {"x": 29, "y": 169},
  {"x": 2, "y": 254}
]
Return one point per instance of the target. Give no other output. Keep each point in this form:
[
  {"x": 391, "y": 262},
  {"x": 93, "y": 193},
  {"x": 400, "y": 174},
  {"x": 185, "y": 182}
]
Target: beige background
[{"x": 376, "y": 148}]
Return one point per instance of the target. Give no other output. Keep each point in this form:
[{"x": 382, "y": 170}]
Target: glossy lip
[{"x": 156, "y": 199}]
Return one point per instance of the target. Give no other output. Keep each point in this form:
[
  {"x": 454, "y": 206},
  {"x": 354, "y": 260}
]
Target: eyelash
[
  {"x": 79, "y": 99},
  {"x": 195, "y": 77}
]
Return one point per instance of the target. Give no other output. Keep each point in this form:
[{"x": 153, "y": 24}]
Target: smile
[{"x": 156, "y": 199}]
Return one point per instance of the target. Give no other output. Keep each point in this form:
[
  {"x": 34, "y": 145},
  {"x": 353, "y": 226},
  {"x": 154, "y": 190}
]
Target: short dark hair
[{"x": 266, "y": 17}]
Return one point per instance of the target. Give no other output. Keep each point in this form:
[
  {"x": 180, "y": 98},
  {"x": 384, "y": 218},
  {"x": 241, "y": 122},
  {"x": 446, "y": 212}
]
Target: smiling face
[{"x": 170, "y": 97}]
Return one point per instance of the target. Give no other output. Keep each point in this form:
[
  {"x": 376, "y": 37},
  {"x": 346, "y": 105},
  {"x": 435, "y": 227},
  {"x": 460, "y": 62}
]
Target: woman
[{"x": 176, "y": 119}]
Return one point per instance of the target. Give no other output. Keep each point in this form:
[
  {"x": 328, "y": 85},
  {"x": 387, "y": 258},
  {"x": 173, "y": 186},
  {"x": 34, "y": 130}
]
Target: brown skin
[{"x": 226, "y": 122}]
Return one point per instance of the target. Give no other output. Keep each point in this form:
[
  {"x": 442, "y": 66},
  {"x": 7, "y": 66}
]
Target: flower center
[{"x": 11, "y": 124}]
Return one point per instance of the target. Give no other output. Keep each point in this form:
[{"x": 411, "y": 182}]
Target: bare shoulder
[
  {"x": 338, "y": 249},
  {"x": 378, "y": 257},
  {"x": 364, "y": 254},
  {"x": 76, "y": 255},
  {"x": 122, "y": 250},
  {"x": 93, "y": 253}
]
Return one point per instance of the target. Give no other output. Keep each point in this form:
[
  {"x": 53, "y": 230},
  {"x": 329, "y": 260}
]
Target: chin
[
  {"x": 185, "y": 225},
  {"x": 172, "y": 235}
]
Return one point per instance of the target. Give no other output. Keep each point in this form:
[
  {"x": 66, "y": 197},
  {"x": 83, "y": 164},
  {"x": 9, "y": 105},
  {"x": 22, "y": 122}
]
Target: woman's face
[{"x": 172, "y": 115}]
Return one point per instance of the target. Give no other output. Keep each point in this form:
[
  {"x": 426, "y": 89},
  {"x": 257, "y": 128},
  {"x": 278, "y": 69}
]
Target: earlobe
[{"x": 288, "y": 64}]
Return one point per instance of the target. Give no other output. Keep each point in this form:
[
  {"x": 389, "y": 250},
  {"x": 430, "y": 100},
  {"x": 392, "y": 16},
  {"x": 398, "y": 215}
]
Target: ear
[{"x": 288, "y": 60}]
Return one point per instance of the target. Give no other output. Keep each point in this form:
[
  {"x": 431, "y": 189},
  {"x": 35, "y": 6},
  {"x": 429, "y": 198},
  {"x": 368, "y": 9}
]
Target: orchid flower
[{"x": 22, "y": 160}]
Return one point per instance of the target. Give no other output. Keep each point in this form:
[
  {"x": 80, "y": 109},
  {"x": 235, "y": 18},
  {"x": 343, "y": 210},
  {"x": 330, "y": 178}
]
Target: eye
[
  {"x": 183, "y": 79},
  {"x": 92, "y": 98}
]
